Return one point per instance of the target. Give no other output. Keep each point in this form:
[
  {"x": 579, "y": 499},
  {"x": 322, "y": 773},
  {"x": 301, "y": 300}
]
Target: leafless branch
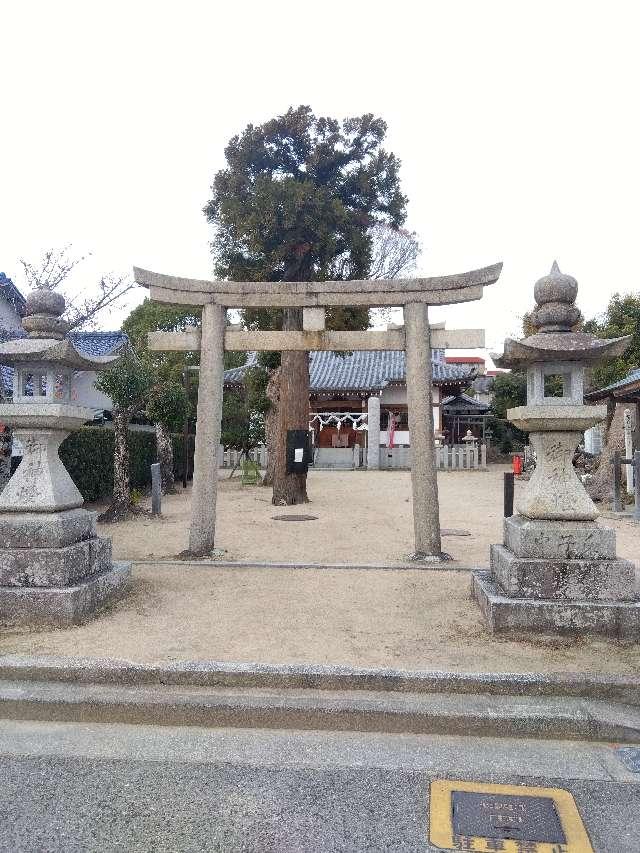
[
  {"x": 83, "y": 310},
  {"x": 395, "y": 251},
  {"x": 52, "y": 271}
]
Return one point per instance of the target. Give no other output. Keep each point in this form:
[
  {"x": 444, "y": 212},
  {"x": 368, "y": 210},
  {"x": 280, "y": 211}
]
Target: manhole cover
[
  {"x": 450, "y": 531},
  {"x": 295, "y": 517}
]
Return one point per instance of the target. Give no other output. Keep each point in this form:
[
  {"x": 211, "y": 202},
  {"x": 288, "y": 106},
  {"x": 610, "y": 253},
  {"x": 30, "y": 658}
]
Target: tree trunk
[
  {"x": 289, "y": 489},
  {"x": 271, "y": 425},
  {"x": 121, "y": 502},
  {"x": 165, "y": 457},
  {"x": 6, "y": 437},
  {"x": 601, "y": 488}
]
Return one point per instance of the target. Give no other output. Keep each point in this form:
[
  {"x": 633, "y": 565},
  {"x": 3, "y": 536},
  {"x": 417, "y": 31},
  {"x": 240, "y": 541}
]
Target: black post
[
  {"x": 508, "y": 494},
  {"x": 616, "y": 505},
  {"x": 185, "y": 432}
]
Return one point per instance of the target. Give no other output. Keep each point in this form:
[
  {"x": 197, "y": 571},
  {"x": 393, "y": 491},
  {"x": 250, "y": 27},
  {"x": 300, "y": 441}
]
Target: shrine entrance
[{"x": 416, "y": 338}]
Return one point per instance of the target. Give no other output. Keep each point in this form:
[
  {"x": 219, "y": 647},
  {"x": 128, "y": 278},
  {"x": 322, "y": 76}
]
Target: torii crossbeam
[{"x": 413, "y": 295}]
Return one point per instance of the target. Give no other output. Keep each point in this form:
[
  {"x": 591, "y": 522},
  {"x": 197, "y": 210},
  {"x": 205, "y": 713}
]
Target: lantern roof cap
[{"x": 556, "y": 338}]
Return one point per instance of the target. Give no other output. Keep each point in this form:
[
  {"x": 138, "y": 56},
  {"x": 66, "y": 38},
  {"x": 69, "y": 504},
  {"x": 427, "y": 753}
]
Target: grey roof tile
[{"x": 359, "y": 371}]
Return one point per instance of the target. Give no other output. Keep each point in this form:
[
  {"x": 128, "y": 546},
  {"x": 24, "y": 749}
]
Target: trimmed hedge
[{"x": 88, "y": 457}]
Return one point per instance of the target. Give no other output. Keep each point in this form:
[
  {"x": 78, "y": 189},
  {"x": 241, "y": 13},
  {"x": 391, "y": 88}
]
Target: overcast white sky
[{"x": 516, "y": 123}]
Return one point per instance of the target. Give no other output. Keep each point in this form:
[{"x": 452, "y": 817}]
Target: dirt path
[
  {"x": 362, "y": 517},
  {"x": 403, "y": 619}
]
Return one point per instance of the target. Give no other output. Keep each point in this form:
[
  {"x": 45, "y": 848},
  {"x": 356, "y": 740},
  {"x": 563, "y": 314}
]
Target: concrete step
[
  {"x": 338, "y": 710},
  {"x": 621, "y": 689}
]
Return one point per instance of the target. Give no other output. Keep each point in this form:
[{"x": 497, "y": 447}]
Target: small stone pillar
[
  {"x": 54, "y": 569},
  {"x": 424, "y": 483},
  {"x": 208, "y": 427},
  {"x": 373, "y": 433},
  {"x": 557, "y": 569}
]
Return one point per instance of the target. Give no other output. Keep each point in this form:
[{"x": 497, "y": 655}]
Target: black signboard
[
  {"x": 506, "y": 816},
  {"x": 298, "y": 451}
]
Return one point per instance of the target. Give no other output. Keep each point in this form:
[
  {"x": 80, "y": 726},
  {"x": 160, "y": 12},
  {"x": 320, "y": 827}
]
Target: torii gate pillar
[
  {"x": 424, "y": 483},
  {"x": 208, "y": 427}
]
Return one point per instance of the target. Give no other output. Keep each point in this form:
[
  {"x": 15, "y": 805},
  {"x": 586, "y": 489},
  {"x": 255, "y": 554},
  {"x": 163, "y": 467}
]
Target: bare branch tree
[
  {"x": 83, "y": 309},
  {"x": 395, "y": 251},
  {"x": 53, "y": 267}
]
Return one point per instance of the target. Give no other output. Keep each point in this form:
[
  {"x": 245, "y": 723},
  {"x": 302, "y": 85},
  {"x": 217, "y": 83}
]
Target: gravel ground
[
  {"x": 408, "y": 619},
  {"x": 362, "y": 517}
]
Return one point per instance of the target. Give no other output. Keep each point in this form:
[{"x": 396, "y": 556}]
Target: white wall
[
  {"x": 8, "y": 317},
  {"x": 86, "y": 394}
]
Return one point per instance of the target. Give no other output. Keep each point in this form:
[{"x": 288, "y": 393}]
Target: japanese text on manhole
[{"x": 506, "y": 818}]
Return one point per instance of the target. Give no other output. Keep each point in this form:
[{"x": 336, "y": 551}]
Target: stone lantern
[
  {"x": 557, "y": 568},
  {"x": 53, "y": 567}
]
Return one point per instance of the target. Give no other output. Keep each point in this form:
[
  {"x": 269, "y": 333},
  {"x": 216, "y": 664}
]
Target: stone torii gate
[{"x": 416, "y": 338}]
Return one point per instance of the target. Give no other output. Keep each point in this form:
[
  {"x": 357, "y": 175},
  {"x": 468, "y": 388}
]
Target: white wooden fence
[
  {"x": 231, "y": 458},
  {"x": 448, "y": 458}
]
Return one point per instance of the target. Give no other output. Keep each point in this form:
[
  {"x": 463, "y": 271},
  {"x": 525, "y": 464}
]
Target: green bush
[{"x": 88, "y": 457}]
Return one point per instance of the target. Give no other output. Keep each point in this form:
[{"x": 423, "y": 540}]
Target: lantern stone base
[
  {"x": 559, "y": 576},
  {"x": 54, "y": 569},
  {"x": 61, "y": 607},
  {"x": 619, "y": 619}
]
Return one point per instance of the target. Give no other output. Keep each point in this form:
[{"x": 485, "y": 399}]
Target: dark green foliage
[
  {"x": 128, "y": 384},
  {"x": 622, "y": 317},
  {"x": 88, "y": 457},
  {"x": 243, "y": 412},
  {"x": 299, "y": 200},
  {"x": 167, "y": 404},
  {"x": 509, "y": 390},
  {"x": 299, "y": 196}
]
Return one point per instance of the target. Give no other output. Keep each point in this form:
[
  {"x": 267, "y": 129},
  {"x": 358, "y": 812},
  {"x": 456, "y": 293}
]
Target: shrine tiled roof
[
  {"x": 360, "y": 371},
  {"x": 609, "y": 390}
]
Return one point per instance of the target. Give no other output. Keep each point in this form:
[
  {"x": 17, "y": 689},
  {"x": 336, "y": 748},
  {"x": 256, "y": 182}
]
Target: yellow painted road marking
[{"x": 441, "y": 829}]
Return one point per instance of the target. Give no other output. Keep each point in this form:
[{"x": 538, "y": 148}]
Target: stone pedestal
[{"x": 558, "y": 576}]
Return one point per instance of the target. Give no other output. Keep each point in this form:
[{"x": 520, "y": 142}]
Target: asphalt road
[{"x": 102, "y": 787}]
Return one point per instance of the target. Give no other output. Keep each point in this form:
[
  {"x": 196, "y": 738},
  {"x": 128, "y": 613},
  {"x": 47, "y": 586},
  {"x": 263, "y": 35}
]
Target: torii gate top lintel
[{"x": 439, "y": 290}]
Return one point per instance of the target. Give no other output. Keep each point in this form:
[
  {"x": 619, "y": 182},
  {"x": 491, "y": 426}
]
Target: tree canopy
[
  {"x": 621, "y": 317},
  {"x": 299, "y": 196}
]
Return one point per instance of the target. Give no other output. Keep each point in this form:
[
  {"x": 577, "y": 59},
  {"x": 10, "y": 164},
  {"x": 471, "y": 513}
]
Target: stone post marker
[
  {"x": 53, "y": 568},
  {"x": 557, "y": 569}
]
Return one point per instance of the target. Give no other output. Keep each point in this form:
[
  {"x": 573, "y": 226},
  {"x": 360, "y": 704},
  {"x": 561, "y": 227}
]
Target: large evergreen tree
[{"x": 298, "y": 201}]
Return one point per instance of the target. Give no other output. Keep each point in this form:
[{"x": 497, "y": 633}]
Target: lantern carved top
[
  {"x": 554, "y": 319},
  {"x": 46, "y": 341}
]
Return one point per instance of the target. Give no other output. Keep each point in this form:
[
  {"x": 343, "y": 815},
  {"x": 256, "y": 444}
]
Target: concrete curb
[
  {"x": 417, "y": 566},
  {"x": 248, "y": 675},
  {"x": 360, "y": 710}
]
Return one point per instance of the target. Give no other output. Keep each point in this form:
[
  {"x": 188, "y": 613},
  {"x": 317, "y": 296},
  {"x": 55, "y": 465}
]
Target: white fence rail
[
  {"x": 231, "y": 458},
  {"x": 448, "y": 458}
]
